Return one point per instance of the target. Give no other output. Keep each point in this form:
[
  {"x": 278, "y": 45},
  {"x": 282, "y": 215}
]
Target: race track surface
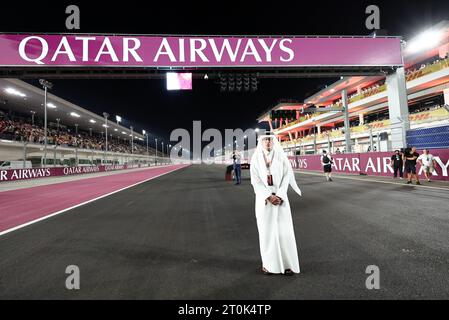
[{"x": 191, "y": 235}]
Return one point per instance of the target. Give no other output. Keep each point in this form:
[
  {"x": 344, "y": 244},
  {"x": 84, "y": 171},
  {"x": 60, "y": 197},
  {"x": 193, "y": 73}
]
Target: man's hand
[{"x": 274, "y": 200}]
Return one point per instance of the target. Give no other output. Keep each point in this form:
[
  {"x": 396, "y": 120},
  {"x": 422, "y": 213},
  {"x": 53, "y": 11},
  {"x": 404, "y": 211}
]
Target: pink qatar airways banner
[
  {"x": 36, "y": 173},
  {"x": 373, "y": 164},
  {"x": 189, "y": 51}
]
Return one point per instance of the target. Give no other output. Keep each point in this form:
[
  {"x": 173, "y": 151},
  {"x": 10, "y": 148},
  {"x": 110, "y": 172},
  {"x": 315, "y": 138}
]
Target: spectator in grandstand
[
  {"x": 326, "y": 162},
  {"x": 397, "y": 164},
  {"x": 237, "y": 161},
  {"x": 19, "y": 130},
  {"x": 411, "y": 156},
  {"x": 271, "y": 176},
  {"x": 428, "y": 163}
]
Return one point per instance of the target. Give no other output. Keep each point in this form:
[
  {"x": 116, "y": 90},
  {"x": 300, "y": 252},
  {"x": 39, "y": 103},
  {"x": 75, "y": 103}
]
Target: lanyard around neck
[{"x": 268, "y": 163}]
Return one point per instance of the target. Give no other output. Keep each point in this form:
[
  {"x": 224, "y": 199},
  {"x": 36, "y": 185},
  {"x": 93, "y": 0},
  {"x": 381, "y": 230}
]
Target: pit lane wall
[
  {"x": 37, "y": 173},
  {"x": 372, "y": 164}
]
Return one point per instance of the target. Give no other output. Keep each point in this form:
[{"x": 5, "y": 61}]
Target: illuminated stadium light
[
  {"x": 51, "y": 105},
  {"x": 105, "y": 126},
  {"x": 115, "y": 129},
  {"x": 75, "y": 115},
  {"x": 426, "y": 40},
  {"x": 118, "y": 119},
  {"x": 123, "y": 132},
  {"x": 15, "y": 92},
  {"x": 92, "y": 121},
  {"x": 144, "y": 132}
]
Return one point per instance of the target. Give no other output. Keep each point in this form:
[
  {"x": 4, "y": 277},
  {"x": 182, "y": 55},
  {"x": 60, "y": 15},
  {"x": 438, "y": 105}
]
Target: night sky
[{"x": 146, "y": 104}]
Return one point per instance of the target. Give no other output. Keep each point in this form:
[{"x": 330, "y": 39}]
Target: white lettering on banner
[
  {"x": 267, "y": 49},
  {"x": 250, "y": 49},
  {"x": 346, "y": 165},
  {"x": 293, "y": 163},
  {"x": 287, "y": 50},
  {"x": 3, "y": 175},
  {"x": 127, "y": 49},
  {"x": 356, "y": 164},
  {"x": 302, "y": 163},
  {"x": 442, "y": 166},
  {"x": 85, "y": 41},
  {"x": 43, "y": 50},
  {"x": 370, "y": 165},
  {"x": 109, "y": 50},
  {"x": 337, "y": 163},
  {"x": 194, "y": 51},
  {"x": 387, "y": 165},
  {"x": 74, "y": 170},
  {"x": 165, "y": 49},
  {"x": 67, "y": 50},
  {"x": 24, "y": 174},
  {"x": 226, "y": 45},
  {"x": 36, "y": 49},
  {"x": 182, "y": 54},
  {"x": 90, "y": 169}
]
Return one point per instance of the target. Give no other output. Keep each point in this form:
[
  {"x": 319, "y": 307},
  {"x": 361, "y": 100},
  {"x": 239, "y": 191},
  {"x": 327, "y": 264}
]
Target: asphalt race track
[{"x": 191, "y": 235}]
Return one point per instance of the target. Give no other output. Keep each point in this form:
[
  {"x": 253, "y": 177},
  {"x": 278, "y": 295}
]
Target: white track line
[
  {"x": 83, "y": 203},
  {"x": 370, "y": 180}
]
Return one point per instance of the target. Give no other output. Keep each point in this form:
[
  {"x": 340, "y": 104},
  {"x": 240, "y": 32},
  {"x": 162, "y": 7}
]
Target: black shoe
[
  {"x": 289, "y": 272},
  {"x": 409, "y": 182},
  {"x": 330, "y": 180},
  {"x": 418, "y": 183}
]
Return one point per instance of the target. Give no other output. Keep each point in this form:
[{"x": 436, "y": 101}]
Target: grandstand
[
  {"x": 76, "y": 136},
  {"x": 427, "y": 83}
]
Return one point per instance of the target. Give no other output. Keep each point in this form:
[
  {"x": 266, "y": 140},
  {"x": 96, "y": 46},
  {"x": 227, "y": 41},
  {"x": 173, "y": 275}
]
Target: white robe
[{"x": 275, "y": 225}]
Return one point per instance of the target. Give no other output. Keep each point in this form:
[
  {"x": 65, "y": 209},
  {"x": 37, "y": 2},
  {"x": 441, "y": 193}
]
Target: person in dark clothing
[
  {"x": 397, "y": 164},
  {"x": 411, "y": 156},
  {"x": 237, "y": 167}
]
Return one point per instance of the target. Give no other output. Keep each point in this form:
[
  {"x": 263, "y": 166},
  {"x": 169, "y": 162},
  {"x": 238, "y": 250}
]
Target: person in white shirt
[
  {"x": 428, "y": 163},
  {"x": 271, "y": 176}
]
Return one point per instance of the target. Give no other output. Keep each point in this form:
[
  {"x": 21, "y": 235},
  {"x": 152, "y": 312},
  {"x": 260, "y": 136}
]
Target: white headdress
[{"x": 279, "y": 152}]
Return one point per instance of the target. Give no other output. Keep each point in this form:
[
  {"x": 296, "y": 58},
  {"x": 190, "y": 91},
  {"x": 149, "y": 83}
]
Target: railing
[
  {"x": 373, "y": 91},
  {"x": 438, "y": 114},
  {"x": 62, "y": 156}
]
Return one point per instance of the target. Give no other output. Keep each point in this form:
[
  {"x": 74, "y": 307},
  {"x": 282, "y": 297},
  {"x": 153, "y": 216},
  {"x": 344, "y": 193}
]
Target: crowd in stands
[
  {"x": 21, "y": 130},
  {"x": 369, "y": 119},
  {"x": 369, "y": 91},
  {"x": 411, "y": 72}
]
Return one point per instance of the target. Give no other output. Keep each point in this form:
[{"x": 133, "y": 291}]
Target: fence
[
  {"x": 372, "y": 163},
  {"x": 429, "y": 138}
]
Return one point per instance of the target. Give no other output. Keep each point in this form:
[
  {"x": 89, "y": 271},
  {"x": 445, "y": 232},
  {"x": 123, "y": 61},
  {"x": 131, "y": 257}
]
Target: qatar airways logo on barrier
[
  {"x": 180, "y": 51},
  {"x": 370, "y": 163},
  {"x": 164, "y": 51},
  {"x": 67, "y": 171},
  {"x": 23, "y": 174}
]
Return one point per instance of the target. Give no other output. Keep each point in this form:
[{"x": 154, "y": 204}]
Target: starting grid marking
[
  {"x": 85, "y": 202},
  {"x": 377, "y": 181}
]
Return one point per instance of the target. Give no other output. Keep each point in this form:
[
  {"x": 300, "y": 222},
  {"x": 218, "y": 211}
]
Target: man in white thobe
[{"x": 271, "y": 175}]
